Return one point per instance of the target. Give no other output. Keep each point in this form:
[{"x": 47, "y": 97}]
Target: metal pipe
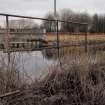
[
  {"x": 10, "y": 15},
  {"x": 7, "y": 38},
  {"x": 86, "y": 40},
  {"x": 55, "y": 12},
  {"x": 57, "y": 31}
]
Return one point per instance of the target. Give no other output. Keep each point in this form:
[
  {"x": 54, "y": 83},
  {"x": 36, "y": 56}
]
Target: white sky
[{"x": 39, "y": 8}]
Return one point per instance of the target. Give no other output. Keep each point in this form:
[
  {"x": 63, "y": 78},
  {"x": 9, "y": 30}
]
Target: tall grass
[
  {"x": 77, "y": 80},
  {"x": 11, "y": 78},
  {"x": 80, "y": 81}
]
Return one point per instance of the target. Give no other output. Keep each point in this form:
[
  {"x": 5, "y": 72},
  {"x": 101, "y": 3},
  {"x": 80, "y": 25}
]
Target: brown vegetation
[{"x": 77, "y": 80}]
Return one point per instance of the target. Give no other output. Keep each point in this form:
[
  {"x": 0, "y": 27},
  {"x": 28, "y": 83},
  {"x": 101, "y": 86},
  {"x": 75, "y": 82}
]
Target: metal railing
[
  {"x": 56, "y": 44},
  {"x": 56, "y": 22},
  {"x": 57, "y": 30}
]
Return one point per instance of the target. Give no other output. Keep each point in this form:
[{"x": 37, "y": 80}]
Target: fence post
[
  {"x": 7, "y": 38},
  {"x": 57, "y": 32},
  {"x": 86, "y": 40}
]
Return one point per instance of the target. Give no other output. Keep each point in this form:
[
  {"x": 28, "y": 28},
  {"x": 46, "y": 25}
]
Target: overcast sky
[{"x": 39, "y": 8}]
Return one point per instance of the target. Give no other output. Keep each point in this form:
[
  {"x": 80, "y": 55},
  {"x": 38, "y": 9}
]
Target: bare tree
[
  {"x": 22, "y": 24},
  {"x": 49, "y": 25},
  {"x": 68, "y": 15}
]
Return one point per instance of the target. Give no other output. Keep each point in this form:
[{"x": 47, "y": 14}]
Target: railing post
[
  {"x": 7, "y": 38},
  {"x": 57, "y": 32},
  {"x": 86, "y": 40}
]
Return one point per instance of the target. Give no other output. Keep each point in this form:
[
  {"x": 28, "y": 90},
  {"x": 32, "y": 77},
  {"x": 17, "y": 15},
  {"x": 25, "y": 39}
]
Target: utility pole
[
  {"x": 56, "y": 26},
  {"x": 55, "y": 11}
]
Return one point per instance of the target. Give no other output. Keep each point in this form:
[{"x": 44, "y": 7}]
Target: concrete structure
[{"x": 19, "y": 38}]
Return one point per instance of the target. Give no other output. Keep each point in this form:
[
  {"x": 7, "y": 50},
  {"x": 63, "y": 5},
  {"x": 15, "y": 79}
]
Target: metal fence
[
  {"x": 53, "y": 32},
  {"x": 20, "y": 33}
]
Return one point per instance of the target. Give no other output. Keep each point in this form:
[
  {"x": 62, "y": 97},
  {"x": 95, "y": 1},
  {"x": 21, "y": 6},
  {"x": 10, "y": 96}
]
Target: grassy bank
[{"x": 78, "y": 80}]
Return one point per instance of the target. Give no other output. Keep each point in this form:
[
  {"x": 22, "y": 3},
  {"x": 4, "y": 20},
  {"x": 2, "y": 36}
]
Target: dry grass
[
  {"x": 80, "y": 80},
  {"x": 66, "y": 37},
  {"x": 11, "y": 78}
]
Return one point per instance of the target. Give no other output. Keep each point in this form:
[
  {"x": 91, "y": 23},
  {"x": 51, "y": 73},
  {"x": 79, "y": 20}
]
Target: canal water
[{"x": 35, "y": 64}]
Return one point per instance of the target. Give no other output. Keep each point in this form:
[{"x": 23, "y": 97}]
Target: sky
[{"x": 39, "y": 8}]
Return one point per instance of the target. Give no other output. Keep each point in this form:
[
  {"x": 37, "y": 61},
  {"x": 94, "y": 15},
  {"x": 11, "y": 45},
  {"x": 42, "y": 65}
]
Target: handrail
[{"x": 29, "y": 17}]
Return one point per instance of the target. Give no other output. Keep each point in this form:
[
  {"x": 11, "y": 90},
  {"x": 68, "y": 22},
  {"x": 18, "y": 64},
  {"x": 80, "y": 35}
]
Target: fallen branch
[{"x": 9, "y": 94}]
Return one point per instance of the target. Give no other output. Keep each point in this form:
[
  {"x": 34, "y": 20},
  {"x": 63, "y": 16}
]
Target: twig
[{"x": 9, "y": 94}]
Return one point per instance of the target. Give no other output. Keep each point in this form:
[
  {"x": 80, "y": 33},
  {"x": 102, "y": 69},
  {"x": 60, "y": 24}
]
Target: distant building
[{"x": 23, "y": 35}]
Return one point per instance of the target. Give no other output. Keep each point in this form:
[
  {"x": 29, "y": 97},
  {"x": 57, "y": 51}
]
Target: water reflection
[
  {"x": 50, "y": 54},
  {"x": 36, "y": 63},
  {"x": 33, "y": 63}
]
